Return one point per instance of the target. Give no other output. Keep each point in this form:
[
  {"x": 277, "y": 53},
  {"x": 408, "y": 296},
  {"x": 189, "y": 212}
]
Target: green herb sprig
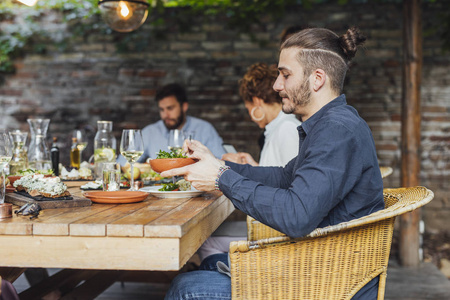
[
  {"x": 171, "y": 154},
  {"x": 167, "y": 187}
]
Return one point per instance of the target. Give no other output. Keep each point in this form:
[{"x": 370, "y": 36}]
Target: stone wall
[{"x": 90, "y": 81}]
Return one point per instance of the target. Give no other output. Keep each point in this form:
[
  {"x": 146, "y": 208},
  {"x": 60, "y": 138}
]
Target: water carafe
[
  {"x": 104, "y": 146},
  {"x": 38, "y": 153},
  {"x": 19, "y": 159}
]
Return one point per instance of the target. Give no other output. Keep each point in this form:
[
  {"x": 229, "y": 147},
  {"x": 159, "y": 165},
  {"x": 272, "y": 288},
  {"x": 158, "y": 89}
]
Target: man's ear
[
  {"x": 185, "y": 107},
  {"x": 318, "y": 79}
]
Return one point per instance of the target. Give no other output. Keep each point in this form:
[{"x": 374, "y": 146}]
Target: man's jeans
[{"x": 206, "y": 283}]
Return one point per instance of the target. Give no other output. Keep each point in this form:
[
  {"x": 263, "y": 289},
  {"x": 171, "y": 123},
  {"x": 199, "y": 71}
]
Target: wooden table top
[{"x": 156, "y": 234}]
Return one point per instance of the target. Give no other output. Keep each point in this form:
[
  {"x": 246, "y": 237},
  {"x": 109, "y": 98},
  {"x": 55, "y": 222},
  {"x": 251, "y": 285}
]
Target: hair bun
[{"x": 350, "y": 41}]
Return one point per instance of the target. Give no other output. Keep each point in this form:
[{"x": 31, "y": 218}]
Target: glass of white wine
[
  {"x": 176, "y": 140},
  {"x": 81, "y": 141},
  {"x": 5, "y": 157},
  {"x": 131, "y": 147}
]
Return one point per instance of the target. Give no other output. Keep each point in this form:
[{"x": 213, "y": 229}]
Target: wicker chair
[
  {"x": 330, "y": 263},
  {"x": 385, "y": 171}
]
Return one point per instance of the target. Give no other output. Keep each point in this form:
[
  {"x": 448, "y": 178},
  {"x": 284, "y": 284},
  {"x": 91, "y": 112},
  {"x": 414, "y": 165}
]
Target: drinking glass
[
  {"x": 81, "y": 140},
  {"x": 111, "y": 176},
  {"x": 131, "y": 147},
  {"x": 5, "y": 157},
  {"x": 176, "y": 140},
  {"x": 189, "y": 135}
]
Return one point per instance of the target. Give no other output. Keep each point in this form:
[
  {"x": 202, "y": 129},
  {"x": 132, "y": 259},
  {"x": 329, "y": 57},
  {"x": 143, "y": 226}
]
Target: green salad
[
  {"x": 171, "y": 154},
  {"x": 167, "y": 187},
  {"x": 180, "y": 185}
]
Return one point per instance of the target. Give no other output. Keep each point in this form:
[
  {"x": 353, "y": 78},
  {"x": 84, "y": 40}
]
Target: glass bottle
[
  {"x": 54, "y": 151},
  {"x": 104, "y": 146},
  {"x": 75, "y": 155},
  {"x": 38, "y": 153},
  {"x": 19, "y": 159}
]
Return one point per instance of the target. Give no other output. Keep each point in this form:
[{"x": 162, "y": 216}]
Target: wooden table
[{"x": 156, "y": 234}]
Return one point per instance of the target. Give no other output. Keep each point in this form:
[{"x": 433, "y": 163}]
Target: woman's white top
[{"x": 281, "y": 141}]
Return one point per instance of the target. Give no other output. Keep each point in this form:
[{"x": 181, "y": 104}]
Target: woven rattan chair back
[{"x": 330, "y": 263}]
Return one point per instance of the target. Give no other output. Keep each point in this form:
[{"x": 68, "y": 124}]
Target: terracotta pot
[{"x": 163, "y": 164}]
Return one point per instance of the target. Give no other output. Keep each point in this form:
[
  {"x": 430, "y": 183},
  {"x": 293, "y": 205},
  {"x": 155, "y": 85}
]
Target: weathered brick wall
[{"x": 90, "y": 82}]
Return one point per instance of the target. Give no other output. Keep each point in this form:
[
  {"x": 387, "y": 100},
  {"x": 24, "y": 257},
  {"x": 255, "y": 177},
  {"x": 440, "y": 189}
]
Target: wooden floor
[{"x": 426, "y": 282}]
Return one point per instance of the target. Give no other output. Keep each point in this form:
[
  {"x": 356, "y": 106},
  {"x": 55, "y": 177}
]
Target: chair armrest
[{"x": 257, "y": 230}]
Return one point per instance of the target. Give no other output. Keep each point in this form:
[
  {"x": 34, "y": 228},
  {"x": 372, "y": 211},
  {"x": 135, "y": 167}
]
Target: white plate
[{"x": 153, "y": 190}]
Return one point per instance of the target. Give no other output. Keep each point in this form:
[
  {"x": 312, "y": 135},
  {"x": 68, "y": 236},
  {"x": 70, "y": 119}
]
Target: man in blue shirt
[
  {"x": 173, "y": 106},
  {"x": 335, "y": 177}
]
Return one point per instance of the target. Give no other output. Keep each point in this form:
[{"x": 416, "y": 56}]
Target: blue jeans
[{"x": 206, "y": 283}]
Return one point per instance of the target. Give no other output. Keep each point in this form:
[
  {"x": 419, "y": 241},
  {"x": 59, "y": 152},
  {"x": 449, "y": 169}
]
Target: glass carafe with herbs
[
  {"x": 19, "y": 159},
  {"x": 38, "y": 152},
  {"x": 104, "y": 146}
]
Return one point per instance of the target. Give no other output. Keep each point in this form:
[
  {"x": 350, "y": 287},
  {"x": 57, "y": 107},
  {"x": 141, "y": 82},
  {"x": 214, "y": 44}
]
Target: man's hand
[{"x": 203, "y": 173}]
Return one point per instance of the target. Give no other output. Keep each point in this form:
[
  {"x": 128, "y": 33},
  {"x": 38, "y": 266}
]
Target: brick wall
[{"x": 90, "y": 81}]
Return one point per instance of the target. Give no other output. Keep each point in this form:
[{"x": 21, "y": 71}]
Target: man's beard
[
  {"x": 300, "y": 96},
  {"x": 178, "y": 122}
]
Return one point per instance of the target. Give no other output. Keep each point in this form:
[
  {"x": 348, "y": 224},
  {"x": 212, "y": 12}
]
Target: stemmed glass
[
  {"x": 176, "y": 140},
  {"x": 81, "y": 140},
  {"x": 5, "y": 157},
  {"x": 131, "y": 147}
]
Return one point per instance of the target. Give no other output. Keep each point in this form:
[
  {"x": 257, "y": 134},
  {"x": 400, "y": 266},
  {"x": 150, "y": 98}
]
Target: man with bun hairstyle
[{"x": 334, "y": 178}]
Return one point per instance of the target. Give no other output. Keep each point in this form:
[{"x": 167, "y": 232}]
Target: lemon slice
[
  {"x": 104, "y": 154},
  {"x": 109, "y": 154}
]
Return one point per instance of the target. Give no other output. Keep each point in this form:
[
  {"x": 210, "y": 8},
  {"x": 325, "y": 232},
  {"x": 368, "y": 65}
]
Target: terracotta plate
[
  {"x": 163, "y": 164},
  {"x": 116, "y": 197}
]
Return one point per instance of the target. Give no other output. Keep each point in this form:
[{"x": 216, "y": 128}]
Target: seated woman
[
  {"x": 280, "y": 145},
  {"x": 264, "y": 107}
]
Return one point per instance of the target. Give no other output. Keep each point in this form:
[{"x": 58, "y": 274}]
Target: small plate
[
  {"x": 116, "y": 196},
  {"x": 153, "y": 190}
]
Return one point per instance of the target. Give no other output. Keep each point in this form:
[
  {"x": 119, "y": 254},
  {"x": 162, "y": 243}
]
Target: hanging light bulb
[
  {"x": 28, "y": 2},
  {"x": 124, "y": 15}
]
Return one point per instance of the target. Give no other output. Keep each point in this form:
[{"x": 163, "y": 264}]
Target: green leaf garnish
[
  {"x": 171, "y": 154},
  {"x": 169, "y": 187}
]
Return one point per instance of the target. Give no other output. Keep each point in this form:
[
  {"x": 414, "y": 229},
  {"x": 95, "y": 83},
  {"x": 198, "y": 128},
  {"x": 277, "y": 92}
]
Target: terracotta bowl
[{"x": 163, "y": 164}]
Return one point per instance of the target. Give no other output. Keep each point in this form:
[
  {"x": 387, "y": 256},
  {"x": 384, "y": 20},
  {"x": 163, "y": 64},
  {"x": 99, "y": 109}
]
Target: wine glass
[
  {"x": 176, "y": 140},
  {"x": 81, "y": 140},
  {"x": 5, "y": 157},
  {"x": 131, "y": 147}
]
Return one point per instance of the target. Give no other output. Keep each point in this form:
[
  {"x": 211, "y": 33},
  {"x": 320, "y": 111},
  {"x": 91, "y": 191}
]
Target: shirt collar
[{"x": 308, "y": 124}]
